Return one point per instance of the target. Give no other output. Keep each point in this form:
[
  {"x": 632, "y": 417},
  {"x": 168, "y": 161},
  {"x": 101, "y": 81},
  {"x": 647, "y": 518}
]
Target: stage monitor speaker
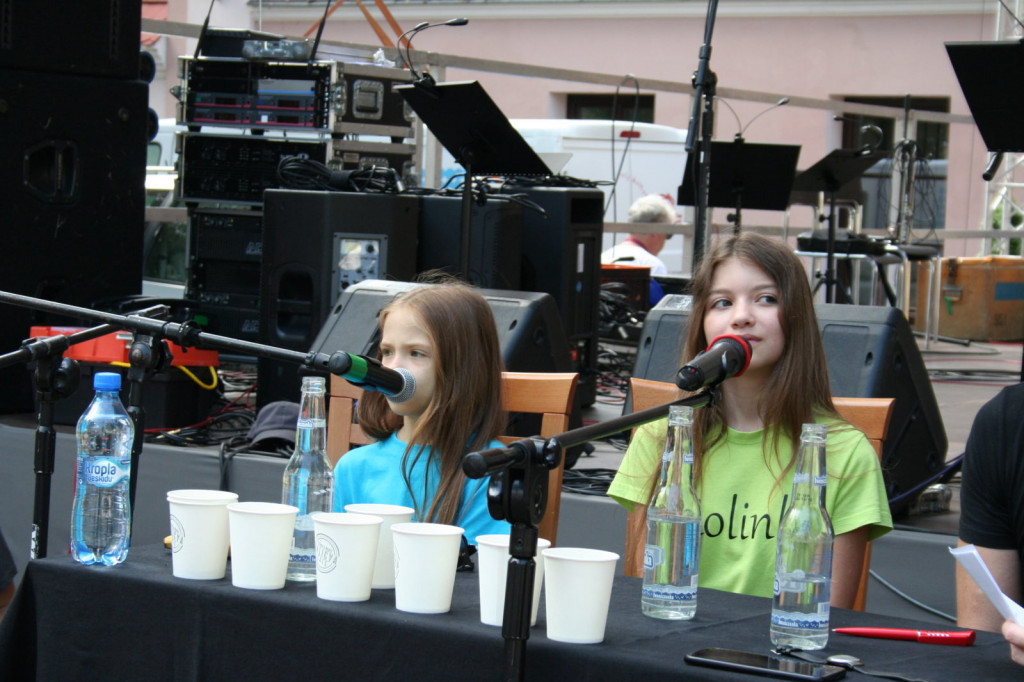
[
  {"x": 529, "y": 327},
  {"x": 871, "y": 353},
  {"x": 72, "y": 178},
  {"x": 81, "y": 38},
  {"x": 562, "y": 257},
  {"x": 529, "y": 330},
  {"x": 315, "y": 245},
  {"x": 496, "y": 240}
]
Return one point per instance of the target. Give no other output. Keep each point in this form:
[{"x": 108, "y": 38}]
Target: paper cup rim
[
  {"x": 263, "y": 508},
  {"x": 580, "y": 554},
  {"x": 199, "y": 496},
  {"x": 378, "y": 509},
  {"x": 346, "y": 519},
  {"x": 421, "y": 528}
]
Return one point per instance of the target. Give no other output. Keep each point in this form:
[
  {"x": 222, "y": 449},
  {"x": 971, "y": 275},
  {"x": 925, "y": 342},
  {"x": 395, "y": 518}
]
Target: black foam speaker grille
[{"x": 72, "y": 177}]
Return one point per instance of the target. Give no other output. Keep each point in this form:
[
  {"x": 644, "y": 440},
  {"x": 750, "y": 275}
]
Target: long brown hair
[
  {"x": 465, "y": 410},
  {"x": 797, "y": 390}
]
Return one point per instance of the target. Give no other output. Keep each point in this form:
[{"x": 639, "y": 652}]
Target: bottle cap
[
  {"x": 814, "y": 432},
  {"x": 311, "y": 383},
  {"x": 106, "y": 381},
  {"x": 680, "y": 415}
]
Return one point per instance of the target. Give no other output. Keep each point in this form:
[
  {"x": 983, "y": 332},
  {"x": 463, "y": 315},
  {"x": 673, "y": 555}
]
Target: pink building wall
[{"x": 828, "y": 53}]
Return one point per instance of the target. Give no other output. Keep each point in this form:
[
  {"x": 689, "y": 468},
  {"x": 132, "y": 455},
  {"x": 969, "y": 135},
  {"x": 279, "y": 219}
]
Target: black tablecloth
[{"x": 137, "y": 622}]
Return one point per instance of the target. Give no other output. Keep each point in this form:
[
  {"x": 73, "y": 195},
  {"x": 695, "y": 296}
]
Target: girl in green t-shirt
[{"x": 745, "y": 445}]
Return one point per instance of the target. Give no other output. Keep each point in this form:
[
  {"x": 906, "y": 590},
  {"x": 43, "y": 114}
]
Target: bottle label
[
  {"x": 802, "y": 621},
  {"x": 310, "y": 423},
  {"x": 801, "y": 477},
  {"x": 103, "y": 473},
  {"x": 670, "y": 593},
  {"x": 819, "y": 481},
  {"x": 654, "y": 556}
]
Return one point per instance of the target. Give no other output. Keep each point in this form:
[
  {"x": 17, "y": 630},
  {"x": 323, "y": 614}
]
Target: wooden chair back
[
  {"x": 869, "y": 415},
  {"x": 549, "y": 394}
]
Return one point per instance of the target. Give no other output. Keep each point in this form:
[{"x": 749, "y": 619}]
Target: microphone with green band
[{"x": 398, "y": 385}]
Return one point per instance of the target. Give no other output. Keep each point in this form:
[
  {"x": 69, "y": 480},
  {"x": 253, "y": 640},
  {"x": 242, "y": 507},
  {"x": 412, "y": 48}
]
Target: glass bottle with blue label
[
  {"x": 101, "y": 510},
  {"x": 672, "y": 551},
  {"x": 803, "y": 564},
  {"x": 308, "y": 478}
]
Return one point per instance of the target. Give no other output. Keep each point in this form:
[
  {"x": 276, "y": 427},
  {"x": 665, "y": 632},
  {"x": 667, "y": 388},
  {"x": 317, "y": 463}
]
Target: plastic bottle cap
[{"x": 106, "y": 381}]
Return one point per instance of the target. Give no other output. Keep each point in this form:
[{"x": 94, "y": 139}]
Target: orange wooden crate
[{"x": 981, "y": 299}]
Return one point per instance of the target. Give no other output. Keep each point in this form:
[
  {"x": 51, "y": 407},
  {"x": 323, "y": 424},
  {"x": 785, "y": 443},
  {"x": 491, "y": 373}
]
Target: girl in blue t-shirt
[{"x": 446, "y": 336}]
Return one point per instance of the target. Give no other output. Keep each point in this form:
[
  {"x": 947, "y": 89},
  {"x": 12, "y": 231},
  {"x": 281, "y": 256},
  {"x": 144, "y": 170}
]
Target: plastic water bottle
[
  {"x": 101, "y": 511},
  {"x": 803, "y": 564},
  {"x": 308, "y": 478},
  {"x": 672, "y": 551}
]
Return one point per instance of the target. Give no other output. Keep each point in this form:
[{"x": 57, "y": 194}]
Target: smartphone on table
[{"x": 765, "y": 665}]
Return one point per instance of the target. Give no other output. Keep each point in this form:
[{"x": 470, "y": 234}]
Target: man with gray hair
[{"x": 641, "y": 249}]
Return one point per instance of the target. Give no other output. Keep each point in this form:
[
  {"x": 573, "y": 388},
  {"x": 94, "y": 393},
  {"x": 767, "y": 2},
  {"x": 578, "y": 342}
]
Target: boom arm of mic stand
[
  {"x": 50, "y": 346},
  {"x": 186, "y": 334},
  {"x": 548, "y": 452}
]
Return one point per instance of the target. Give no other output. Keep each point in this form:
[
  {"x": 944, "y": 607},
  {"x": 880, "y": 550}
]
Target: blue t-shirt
[{"x": 373, "y": 474}]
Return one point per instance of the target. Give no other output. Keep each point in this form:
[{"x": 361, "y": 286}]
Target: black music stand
[
  {"x": 467, "y": 122},
  {"x": 987, "y": 73},
  {"x": 746, "y": 175},
  {"x": 829, "y": 174}
]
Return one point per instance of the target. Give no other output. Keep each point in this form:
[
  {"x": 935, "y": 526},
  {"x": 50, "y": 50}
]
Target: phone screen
[{"x": 763, "y": 664}]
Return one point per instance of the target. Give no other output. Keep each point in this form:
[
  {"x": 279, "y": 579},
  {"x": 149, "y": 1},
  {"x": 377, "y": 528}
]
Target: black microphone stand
[
  {"x": 704, "y": 83},
  {"x": 55, "y": 378},
  {"x": 518, "y": 493},
  {"x": 147, "y": 354}
]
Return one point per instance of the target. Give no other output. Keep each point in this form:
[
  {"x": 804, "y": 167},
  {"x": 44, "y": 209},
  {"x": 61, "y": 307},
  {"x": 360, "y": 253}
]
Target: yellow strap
[{"x": 209, "y": 387}]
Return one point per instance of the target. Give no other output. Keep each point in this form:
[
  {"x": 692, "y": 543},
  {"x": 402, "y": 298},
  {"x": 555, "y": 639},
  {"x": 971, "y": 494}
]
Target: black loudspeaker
[
  {"x": 225, "y": 255},
  {"x": 660, "y": 347},
  {"x": 72, "y": 177},
  {"x": 529, "y": 327},
  {"x": 82, "y": 38},
  {"x": 529, "y": 330},
  {"x": 871, "y": 353},
  {"x": 315, "y": 245},
  {"x": 496, "y": 240},
  {"x": 562, "y": 257}
]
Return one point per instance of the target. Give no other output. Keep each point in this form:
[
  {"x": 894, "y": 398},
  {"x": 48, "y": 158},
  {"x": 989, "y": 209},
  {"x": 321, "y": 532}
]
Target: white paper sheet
[{"x": 975, "y": 566}]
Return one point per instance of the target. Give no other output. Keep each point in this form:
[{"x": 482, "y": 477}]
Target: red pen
[{"x": 959, "y": 638}]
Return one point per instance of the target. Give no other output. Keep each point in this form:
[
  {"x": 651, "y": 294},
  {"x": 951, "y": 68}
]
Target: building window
[
  {"x": 932, "y": 138},
  {"x": 930, "y": 168},
  {"x": 624, "y": 107}
]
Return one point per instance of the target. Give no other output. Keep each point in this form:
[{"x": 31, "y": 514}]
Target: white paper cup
[
  {"x": 578, "y": 591},
  {"x": 199, "y": 533},
  {"x": 346, "y": 547},
  {"x": 492, "y": 567},
  {"x": 426, "y": 557},
  {"x": 261, "y": 538},
  {"x": 384, "y": 565}
]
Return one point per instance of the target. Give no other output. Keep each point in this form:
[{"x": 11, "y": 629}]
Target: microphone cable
[{"x": 587, "y": 481}]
